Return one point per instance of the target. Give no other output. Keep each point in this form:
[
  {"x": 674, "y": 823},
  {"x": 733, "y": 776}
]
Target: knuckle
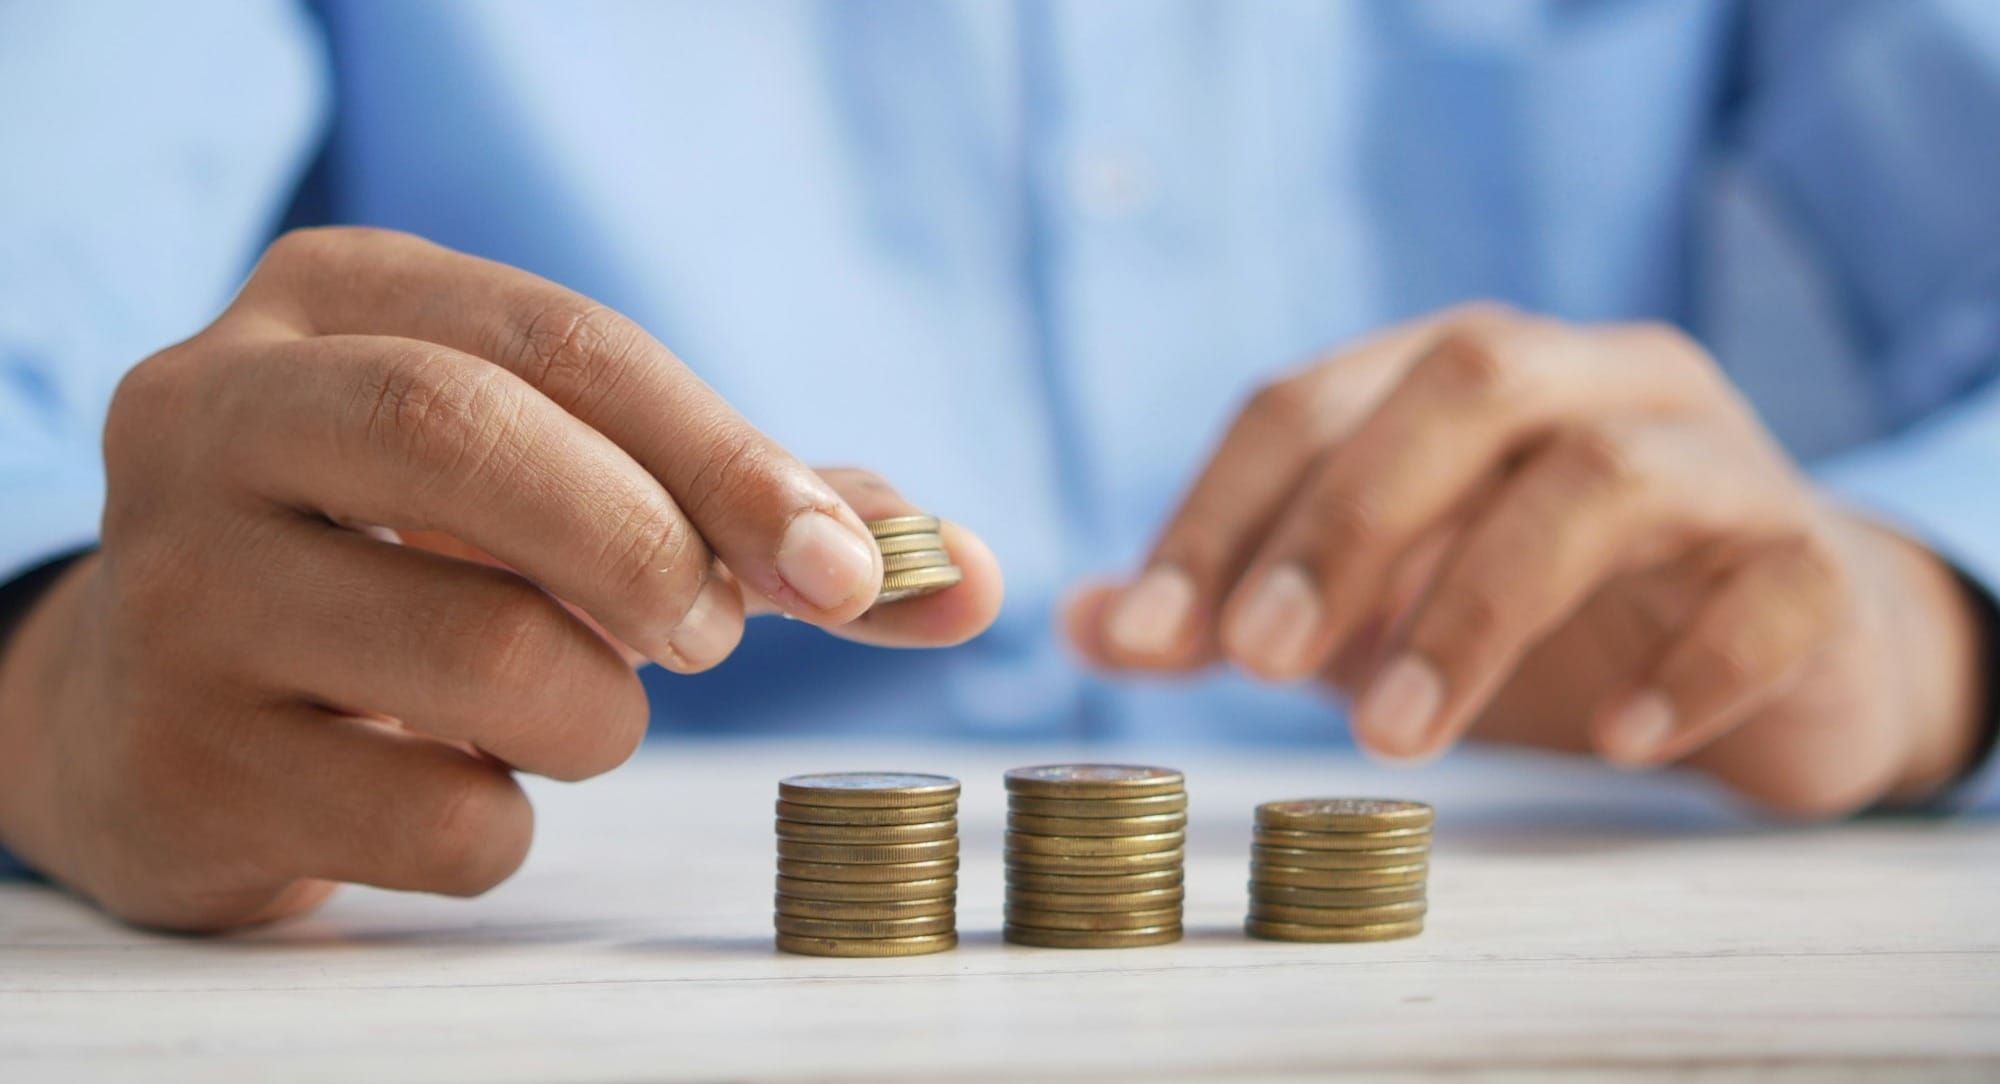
[
  {"x": 1479, "y": 313},
  {"x": 652, "y": 553},
  {"x": 478, "y": 834},
  {"x": 1470, "y": 363},
  {"x": 1722, "y": 667},
  {"x": 1666, "y": 340},
  {"x": 1469, "y": 613},
  {"x": 1347, "y": 520},
  {"x": 301, "y": 246},
  {"x": 1819, "y": 569},
  {"x": 430, "y": 411},
  {"x": 1591, "y": 459},
  {"x": 575, "y": 352},
  {"x": 515, "y": 638},
  {"x": 311, "y": 244},
  {"x": 737, "y": 470},
  {"x": 1285, "y": 406},
  {"x": 147, "y": 393}
]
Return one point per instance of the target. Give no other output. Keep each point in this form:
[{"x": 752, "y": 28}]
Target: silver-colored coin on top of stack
[
  {"x": 914, "y": 560},
  {"x": 1094, "y": 855},
  {"x": 1339, "y": 869},
  {"x": 867, "y": 864}
]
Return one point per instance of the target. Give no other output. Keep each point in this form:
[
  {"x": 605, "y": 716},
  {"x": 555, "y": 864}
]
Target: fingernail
[
  {"x": 707, "y": 633},
  {"x": 1147, "y": 618},
  {"x": 1275, "y": 625},
  {"x": 1397, "y": 709},
  {"x": 1636, "y": 731},
  {"x": 825, "y": 562}
]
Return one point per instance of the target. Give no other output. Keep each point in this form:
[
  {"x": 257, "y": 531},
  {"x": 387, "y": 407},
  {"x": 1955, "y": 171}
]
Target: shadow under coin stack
[
  {"x": 1094, "y": 855},
  {"x": 914, "y": 560},
  {"x": 867, "y": 864},
  {"x": 1339, "y": 869}
]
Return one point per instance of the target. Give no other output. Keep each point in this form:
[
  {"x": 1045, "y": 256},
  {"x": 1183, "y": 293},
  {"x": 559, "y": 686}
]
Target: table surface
[{"x": 1582, "y": 923}]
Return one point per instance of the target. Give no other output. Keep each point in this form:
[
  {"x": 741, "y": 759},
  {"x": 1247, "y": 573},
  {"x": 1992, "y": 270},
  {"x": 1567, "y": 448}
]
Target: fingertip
[
  {"x": 1271, "y": 625},
  {"x": 1396, "y": 716},
  {"x": 829, "y": 569},
  {"x": 710, "y": 631},
  {"x": 1634, "y": 732},
  {"x": 1082, "y": 615},
  {"x": 967, "y": 608}
]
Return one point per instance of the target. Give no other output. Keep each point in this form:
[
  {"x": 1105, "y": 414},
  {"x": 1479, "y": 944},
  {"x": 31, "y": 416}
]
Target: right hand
[{"x": 253, "y": 692}]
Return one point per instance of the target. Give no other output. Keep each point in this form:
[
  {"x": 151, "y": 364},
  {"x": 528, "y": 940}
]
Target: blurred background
[{"x": 1024, "y": 259}]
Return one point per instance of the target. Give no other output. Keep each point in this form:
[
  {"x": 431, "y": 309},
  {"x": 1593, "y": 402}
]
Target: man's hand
[
  {"x": 254, "y": 691},
  {"x": 1578, "y": 537}
]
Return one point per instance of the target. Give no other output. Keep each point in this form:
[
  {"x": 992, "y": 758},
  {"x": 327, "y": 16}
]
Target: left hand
[{"x": 1571, "y": 536}]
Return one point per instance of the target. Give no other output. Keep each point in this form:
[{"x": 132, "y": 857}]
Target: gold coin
[
  {"x": 1337, "y": 878},
  {"x": 1094, "y": 846},
  {"x": 1294, "y": 896},
  {"x": 1293, "y": 931},
  {"x": 1287, "y": 856},
  {"x": 873, "y": 873},
  {"x": 1100, "y": 884},
  {"x": 868, "y": 853},
  {"x": 909, "y": 543},
  {"x": 915, "y": 582},
  {"x": 1344, "y": 814},
  {"x": 1103, "y": 901},
  {"x": 833, "y": 814},
  {"x": 1096, "y": 826},
  {"x": 871, "y": 833},
  {"x": 1093, "y": 920},
  {"x": 910, "y": 524},
  {"x": 1072, "y": 864},
  {"x": 1029, "y": 935},
  {"x": 915, "y": 559},
  {"x": 880, "y": 927},
  {"x": 886, "y": 891},
  {"x": 851, "y": 910},
  {"x": 1407, "y": 911},
  {"x": 869, "y": 790},
  {"x": 875, "y": 946},
  {"x": 1094, "y": 781},
  {"x": 1097, "y": 807},
  {"x": 1343, "y": 841}
]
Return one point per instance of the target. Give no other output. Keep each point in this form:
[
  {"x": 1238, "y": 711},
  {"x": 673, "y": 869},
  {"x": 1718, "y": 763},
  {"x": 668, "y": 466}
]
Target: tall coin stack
[
  {"x": 914, "y": 560},
  {"x": 1094, "y": 855},
  {"x": 1339, "y": 869},
  {"x": 867, "y": 864}
]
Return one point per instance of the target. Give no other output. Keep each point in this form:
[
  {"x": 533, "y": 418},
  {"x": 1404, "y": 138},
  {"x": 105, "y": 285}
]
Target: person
[{"x": 1647, "y": 408}]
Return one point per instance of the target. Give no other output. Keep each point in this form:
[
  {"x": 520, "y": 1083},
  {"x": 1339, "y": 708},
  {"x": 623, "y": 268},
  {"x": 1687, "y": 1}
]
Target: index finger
[{"x": 779, "y": 527}]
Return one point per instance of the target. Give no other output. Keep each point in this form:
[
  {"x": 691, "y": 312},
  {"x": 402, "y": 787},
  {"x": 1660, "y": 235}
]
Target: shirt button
[{"x": 1109, "y": 184}]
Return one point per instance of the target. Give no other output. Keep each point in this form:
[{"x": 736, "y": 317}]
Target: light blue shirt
[{"x": 1025, "y": 259}]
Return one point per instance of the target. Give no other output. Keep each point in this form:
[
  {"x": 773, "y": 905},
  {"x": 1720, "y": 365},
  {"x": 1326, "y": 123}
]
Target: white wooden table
[{"x": 1582, "y": 924}]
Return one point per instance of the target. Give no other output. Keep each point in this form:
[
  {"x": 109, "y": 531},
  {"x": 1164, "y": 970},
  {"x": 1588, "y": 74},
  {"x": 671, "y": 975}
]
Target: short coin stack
[
  {"x": 1339, "y": 869},
  {"x": 1094, "y": 855},
  {"x": 867, "y": 864},
  {"x": 914, "y": 560}
]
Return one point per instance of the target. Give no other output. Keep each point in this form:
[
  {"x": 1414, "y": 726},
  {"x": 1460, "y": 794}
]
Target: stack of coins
[
  {"x": 1094, "y": 855},
  {"x": 867, "y": 864},
  {"x": 914, "y": 560},
  {"x": 1339, "y": 869}
]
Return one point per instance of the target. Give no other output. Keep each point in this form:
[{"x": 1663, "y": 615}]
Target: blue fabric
[{"x": 1026, "y": 258}]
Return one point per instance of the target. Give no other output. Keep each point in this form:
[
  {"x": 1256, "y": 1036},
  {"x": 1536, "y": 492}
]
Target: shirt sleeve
[
  {"x": 149, "y": 148},
  {"x": 1875, "y": 125}
]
